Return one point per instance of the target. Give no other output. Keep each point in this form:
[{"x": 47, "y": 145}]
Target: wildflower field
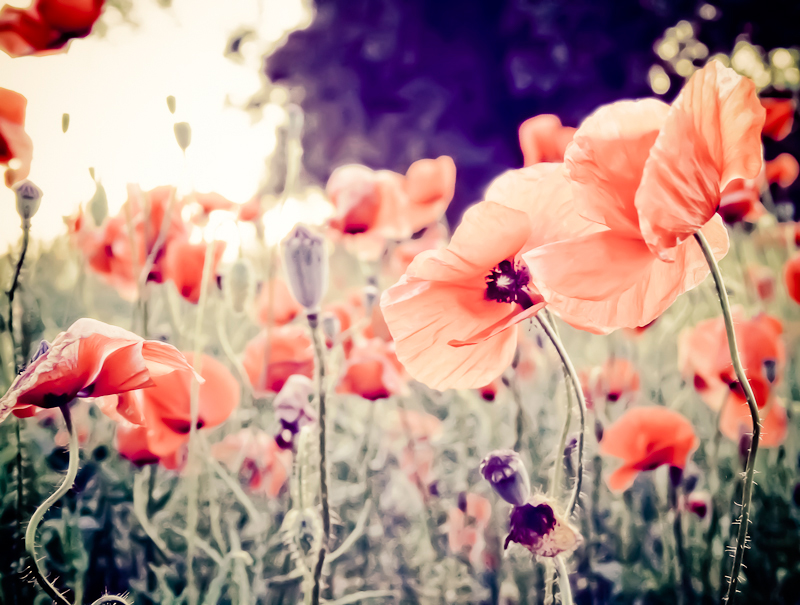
[{"x": 396, "y": 373}]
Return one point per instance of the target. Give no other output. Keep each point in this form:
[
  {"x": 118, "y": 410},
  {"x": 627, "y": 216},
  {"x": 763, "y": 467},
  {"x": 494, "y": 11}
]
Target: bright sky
[{"x": 115, "y": 90}]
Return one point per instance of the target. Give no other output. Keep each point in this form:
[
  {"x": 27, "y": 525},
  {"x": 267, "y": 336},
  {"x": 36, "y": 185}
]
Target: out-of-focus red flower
[
  {"x": 761, "y": 280},
  {"x": 652, "y": 173},
  {"x": 433, "y": 238},
  {"x": 90, "y": 359},
  {"x": 617, "y": 379},
  {"x": 741, "y": 201},
  {"x": 736, "y": 421},
  {"x": 183, "y": 266},
  {"x": 283, "y": 309},
  {"x": 791, "y": 276},
  {"x": 645, "y": 438},
  {"x": 372, "y": 371},
  {"x": 543, "y": 139},
  {"x": 264, "y": 467},
  {"x": 783, "y": 170},
  {"x": 15, "y": 144},
  {"x": 165, "y": 407},
  {"x": 208, "y": 203},
  {"x": 780, "y": 117},
  {"x": 133, "y": 444},
  {"x": 290, "y": 352},
  {"x": 704, "y": 356},
  {"x": 466, "y": 526},
  {"x": 47, "y": 26},
  {"x": 251, "y": 210},
  {"x": 489, "y": 392},
  {"x": 376, "y": 206}
]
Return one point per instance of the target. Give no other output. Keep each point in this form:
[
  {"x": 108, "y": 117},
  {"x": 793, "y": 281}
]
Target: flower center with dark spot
[{"x": 508, "y": 283}]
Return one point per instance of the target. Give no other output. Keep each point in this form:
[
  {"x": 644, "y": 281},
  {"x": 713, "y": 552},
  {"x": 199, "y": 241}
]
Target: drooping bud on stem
[
  {"x": 505, "y": 471},
  {"x": 305, "y": 260},
  {"x": 29, "y": 196},
  {"x": 183, "y": 134}
]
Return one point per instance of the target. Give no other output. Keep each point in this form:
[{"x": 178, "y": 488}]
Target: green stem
[
  {"x": 576, "y": 385},
  {"x": 313, "y": 322},
  {"x": 563, "y": 581},
  {"x": 26, "y": 234},
  {"x": 747, "y": 490},
  {"x": 38, "y": 515}
]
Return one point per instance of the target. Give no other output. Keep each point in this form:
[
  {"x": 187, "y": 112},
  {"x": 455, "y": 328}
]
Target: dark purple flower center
[
  {"x": 508, "y": 283},
  {"x": 530, "y": 523}
]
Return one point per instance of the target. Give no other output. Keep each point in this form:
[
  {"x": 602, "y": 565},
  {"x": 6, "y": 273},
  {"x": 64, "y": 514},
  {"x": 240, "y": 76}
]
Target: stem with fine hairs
[
  {"x": 741, "y": 376},
  {"x": 576, "y": 385},
  {"x": 563, "y": 580},
  {"x": 319, "y": 358}
]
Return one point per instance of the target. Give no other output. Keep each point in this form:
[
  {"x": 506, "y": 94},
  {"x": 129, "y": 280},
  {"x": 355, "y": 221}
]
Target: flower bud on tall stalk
[{"x": 306, "y": 264}]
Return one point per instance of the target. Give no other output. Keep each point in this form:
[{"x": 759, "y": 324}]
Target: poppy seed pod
[
  {"x": 306, "y": 263},
  {"x": 29, "y": 196},
  {"x": 506, "y": 472}
]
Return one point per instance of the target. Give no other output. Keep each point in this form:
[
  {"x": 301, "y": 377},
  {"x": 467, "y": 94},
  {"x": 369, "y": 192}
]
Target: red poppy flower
[
  {"x": 282, "y": 310},
  {"x": 372, "y": 371},
  {"x": 465, "y": 528},
  {"x": 617, "y": 379},
  {"x": 47, "y": 26},
  {"x": 645, "y": 438},
  {"x": 543, "y": 139},
  {"x": 183, "y": 266},
  {"x": 133, "y": 444},
  {"x": 290, "y": 352},
  {"x": 783, "y": 170},
  {"x": 741, "y": 201},
  {"x": 489, "y": 391},
  {"x": 780, "y": 117},
  {"x": 791, "y": 276},
  {"x": 90, "y": 359},
  {"x": 15, "y": 144},
  {"x": 735, "y": 421},
  {"x": 433, "y": 238},
  {"x": 652, "y": 175},
  {"x": 263, "y": 466},
  {"x": 704, "y": 356},
  {"x": 375, "y": 206},
  {"x": 250, "y": 211},
  {"x": 165, "y": 407},
  {"x": 761, "y": 280}
]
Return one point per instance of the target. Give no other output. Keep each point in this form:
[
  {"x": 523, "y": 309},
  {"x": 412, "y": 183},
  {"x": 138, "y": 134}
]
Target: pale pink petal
[
  {"x": 606, "y": 159},
  {"x": 430, "y": 185},
  {"x": 712, "y": 136},
  {"x": 518, "y": 315}
]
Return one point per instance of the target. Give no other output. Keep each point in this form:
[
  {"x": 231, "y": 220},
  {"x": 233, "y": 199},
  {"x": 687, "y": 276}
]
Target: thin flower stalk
[
  {"x": 26, "y": 234},
  {"x": 563, "y": 581},
  {"x": 741, "y": 376}
]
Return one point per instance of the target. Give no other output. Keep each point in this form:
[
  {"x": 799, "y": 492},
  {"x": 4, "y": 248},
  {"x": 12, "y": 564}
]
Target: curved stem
[
  {"x": 108, "y": 598},
  {"x": 38, "y": 515},
  {"x": 576, "y": 385},
  {"x": 741, "y": 376},
  {"x": 563, "y": 581},
  {"x": 313, "y": 322}
]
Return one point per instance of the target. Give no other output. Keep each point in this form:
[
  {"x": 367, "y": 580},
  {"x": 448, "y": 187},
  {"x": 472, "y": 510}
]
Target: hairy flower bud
[
  {"x": 506, "y": 473},
  {"x": 183, "y": 134},
  {"x": 306, "y": 262},
  {"x": 29, "y": 196},
  {"x": 239, "y": 285}
]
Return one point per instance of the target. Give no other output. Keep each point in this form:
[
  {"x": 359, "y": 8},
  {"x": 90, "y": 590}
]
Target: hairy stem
[
  {"x": 563, "y": 581},
  {"x": 576, "y": 385},
  {"x": 38, "y": 515},
  {"x": 747, "y": 490},
  {"x": 319, "y": 357}
]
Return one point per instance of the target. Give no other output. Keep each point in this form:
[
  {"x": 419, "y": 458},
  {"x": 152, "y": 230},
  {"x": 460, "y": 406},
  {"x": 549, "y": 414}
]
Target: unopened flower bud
[
  {"x": 293, "y": 408},
  {"x": 306, "y": 263},
  {"x": 331, "y": 326},
  {"x": 98, "y": 205},
  {"x": 239, "y": 284},
  {"x": 64, "y": 122},
  {"x": 171, "y": 104},
  {"x": 29, "y": 196},
  {"x": 505, "y": 471},
  {"x": 598, "y": 430},
  {"x": 183, "y": 134},
  {"x": 537, "y": 526}
]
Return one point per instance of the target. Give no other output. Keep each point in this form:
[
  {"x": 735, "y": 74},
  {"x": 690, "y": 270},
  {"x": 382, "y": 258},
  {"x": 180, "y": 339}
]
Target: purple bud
[
  {"x": 536, "y": 526},
  {"x": 306, "y": 262},
  {"x": 675, "y": 475},
  {"x": 745, "y": 443},
  {"x": 29, "y": 196},
  {"x": 598, "y": 430},
  {"x": 507, "y": 474},
  {"x": 293, "y": 404}
]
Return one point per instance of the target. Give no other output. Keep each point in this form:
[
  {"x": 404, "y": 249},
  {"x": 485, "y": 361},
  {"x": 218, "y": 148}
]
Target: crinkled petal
[{"x": 711, "y": 136}]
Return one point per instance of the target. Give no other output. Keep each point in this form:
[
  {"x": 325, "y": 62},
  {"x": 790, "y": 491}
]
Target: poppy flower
[
  {"x": 133, "y": 444},
  {"x": 704, "y": 356},
  {"x": 541, "y": 529},
  {"x": 264, "y": 467},
  {"x": 782, "y": 170},
  {"x": 290, "y": 352},
  {"x": 420, "y": 427},
  {"x": 165, "y": 407},
  {"x": 543, "y": 139},
  {"x": 183, "y": 266},
  {"x": 698, "y": 503},
  {"x": 209, "y": 202},
  {"x": 488, "y": 392},
  {"x": 250, "y": 211},
  {"x": 15, "y": 144},
  {"x": 780, "y": 117},
  {"x": 652, "y": 175},
  {"x": 735, "y": 421},
  {"x": 282, "y": 310},
  {"x": 47, "y": 26},
  {"x": 90, "y": 359},
  {"x": 646, "y": 438},
  {"x": 372, "y": 371},
  {"x": 466, "y": 525},
  {"x": 791, "y": 276},
  {"x": 404, "y": 252},
  {"x": 293, "y": 408},
  {"x": 741, "y": 201},
  {"x": 761, "y": 280},
  {"x": 616, "y": 379},
  {"x": 375, "y": 206}
]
